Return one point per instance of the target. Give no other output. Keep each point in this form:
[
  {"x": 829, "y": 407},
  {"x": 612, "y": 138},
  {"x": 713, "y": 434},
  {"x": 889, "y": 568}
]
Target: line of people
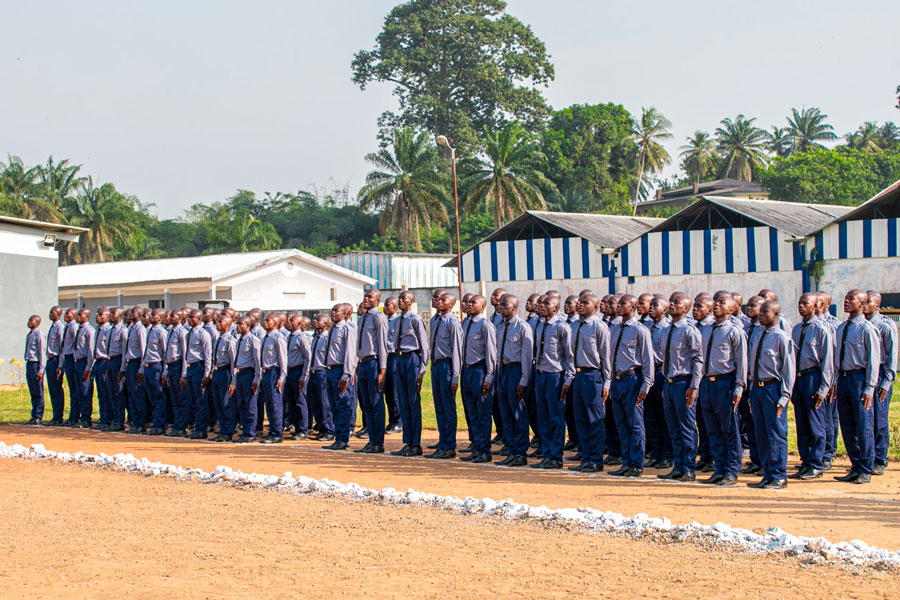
[{"x": 675, "y": 383}]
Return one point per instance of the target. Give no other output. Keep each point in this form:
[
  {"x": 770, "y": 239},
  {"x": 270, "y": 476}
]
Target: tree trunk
[{"x": 637, "y": 188}]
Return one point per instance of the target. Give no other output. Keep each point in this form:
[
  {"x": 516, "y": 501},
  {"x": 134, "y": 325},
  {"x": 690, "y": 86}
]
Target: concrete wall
[
  {"x": 143, "y": 299},
  {"x": 840, "y": 276},
  {"x": 27, "y": 286}
]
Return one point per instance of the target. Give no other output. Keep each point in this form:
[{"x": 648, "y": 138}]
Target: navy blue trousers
[
  {"x": 881, "y": 423},
  {"x": 390, "y": 395},
  {"x": 590, "y": 415},
  {"x": 85, "y": 393},
  {"x": 136, "y": 394},
  {"x": 154, "y": 390},
  {"x": 515, "y": 417},
  {"x": 101, "y": 384},
  {"x": 571, "y": 427},
  {"x": 496, "y": 413},
  {"x": 319, "y": 405},
  {"x": 444, "y": 404},
  {"x": 116, "y": 391},
  {"x": 551, "y": 414},
  {"x": 721, "y": 421},
  {"x": 681, "y": 421},
  {"x": 659, "y": 444},
  {"x": 811, "y": 421},
  {"x": 832, "y": 426},
  {"x": 54, "y": 386},
  {"x": 178, "y": 395},
  {"x": 629, "y": 418},
  {"x": 226, "y": 409},
  {"x": 613, "y": 444},
  {"x": 196, "y": 397},
  {"x": 72, "y": 383},
  {"x": 747, "y": 429},
  {"x": 35, "y": 388},
  {"x": 371, "y": 399},
  {"x": 771, "y": 430},
  {"x": 340, "y": 404},
  {"x": 857, "y": 423},
  {"x": 478, "y": 407},
  {"x": 273, "y": 400},
  {"x": 246, "y": 402},
  {"x": 408, "y": 398},
  {"x": 531, "y": 405}
]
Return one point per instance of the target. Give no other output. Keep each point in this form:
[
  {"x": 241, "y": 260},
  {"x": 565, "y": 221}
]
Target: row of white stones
[{"x": 775, "y": 541}]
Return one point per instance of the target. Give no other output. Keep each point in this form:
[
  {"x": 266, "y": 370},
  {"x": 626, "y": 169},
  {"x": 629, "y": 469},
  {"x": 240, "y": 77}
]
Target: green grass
[{"x": 15, "y": 407}]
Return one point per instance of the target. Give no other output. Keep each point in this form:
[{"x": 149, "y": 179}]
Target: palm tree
[
  {"x": 408, "y": 188},
  {"x": 24, "y": 196},
  {"x": 647, "y": 133},
  {"x": 107, "y": 214},
  {"x": 699, "y": 155},
  {"x": 865, "y": 139},
  {"x": 509, "y": 181},
  {"x": 59, "y": 179},
  {"x": 807, "y": 128},
  {"x": 573, "y": 199},
  {"x": 742, "y": 146},
  {"x": 239, "y": 231},
  {"x": 778, "y": 142},
  {"x": 889, "y": 134}
]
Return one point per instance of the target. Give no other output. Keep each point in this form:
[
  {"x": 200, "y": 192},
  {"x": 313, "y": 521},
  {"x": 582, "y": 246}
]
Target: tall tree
[
  {"x": 889, "y": 134},
  {"x": 23, "y": 194},
  {"x": 699, "y": 155},
  {"x": 408, "y": 188},
  {"x": 652, "y": 128},
  {"x": 865, "y": 139},
  {"x": 807, "y": 128},
  {"x": 456, "y": 66},
  {"x": 510, "y": 178},
  {"x": 106, "y": 213},
  {"x": 778, "y": 142},
  {"x": 742, "y": 146},
  {"x": 59, "y": 179},
  {"x": 239, "y": 231}
]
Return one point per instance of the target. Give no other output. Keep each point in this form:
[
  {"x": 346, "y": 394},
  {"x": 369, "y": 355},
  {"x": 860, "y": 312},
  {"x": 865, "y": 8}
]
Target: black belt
[
  {"x": 330, "y": 367},
  {"x": 851, "y": 372},
  {"x": 547, "y": 372},
  {"x": 719, "y": 376},
  {"x": 765, "y": 382},
  {"x": 99, "y": 358},
  {"x": 223, "y": 367},
  {"x": 586, "y": 369},
  {"x": 270, "y": 369},
  {"x": 406, "y": 352},
  {"x": 112, "y": 356},
  {"x": 367, "y": 359},
  {"x": 196, "y": 362},
  {"x": 627, "y": 372},
  {"x": 242, "y": 369},
  {"x": 808, "y": 371},
  {"x": 678, "y": 378},
  {"x": 131, "y": 360},
  {"x": 317, "y": 370},
  {"x": 440, "y": 360},
  {"x": 173, "y": 363},
  {"x": 474, "y": 365}
]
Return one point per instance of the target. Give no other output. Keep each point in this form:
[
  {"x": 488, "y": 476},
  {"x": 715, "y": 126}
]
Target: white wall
[{"x": 840, "y": 276}]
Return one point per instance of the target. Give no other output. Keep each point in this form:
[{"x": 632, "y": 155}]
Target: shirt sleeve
[
  {"x": 695, "y": 350},
  {"x": 281, "y": 350},
  {"x": 568, "y": 360},
  {"x": 231, "y": 349},
  {"x": 256, "y": 348},
  {"x": 185, "y": 344},
  {"x": 42, "y": 352},
  {"x": 646, "y": 357},
  {"x": 604, "y": 350},
  {"x": 206, "y": 348},
  {"x": 527, "y": 354},
  {"x": 381, "y": 328},
  {"x": 350, "y": 357},
  {"x": 89, "y": 359},
  {"x": 873, "y": 355},
  {"x": 455, "y": 351},
  {"x": 788, "y": 369},
  {"x": 739, "y": 347},
  {"x": 889, "y": 339},
  {"x": 419, "y": 328},
  {"x": 489, "y": 333},
  {"x": 826, "y": 350},
  {"x": 306, "y": 357}
]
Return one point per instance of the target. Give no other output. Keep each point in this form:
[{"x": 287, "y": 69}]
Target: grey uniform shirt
[
  {"x": 590, "y": 341},
  {"x": 134, "y": 344},
  {"x": 816, "y": 350},
  {"x": 480, "y": 344},
  {"x": 635, "y": 350},
  {"x": 887, "y": 334},
  {"x": 55, "y": 339},
  {"x": 298, "y": 352},
  {"x": 36, "y": 349},
  {"x": 155, "y": 351},
  {"x": 225, "y": 355},
  {"x": 684, "y": 351},
  {"x": 446, "y": 342},
  {"x": 84, "y": 346},
  {"x": 831, "y": 321},
  {"x": 197, "y": 348},
  {"x": 412, "y": 337},
  {"x": 211, "y": 329},
  {"x": 554, "y": 343},
  {"x": 724, "y": 352},
  {"x": 532, "y": 319},
  {"x": 658, "y": 332},
  {"x": 104, "y": 336},
  {"x": 273, "y": 354},
  {"x": 515, "y": 345},
  {"x": 776, "y": 361},
  {"x": 391, "y": 333},
  {"x": 317, "y": 351},
  {"x": 861, "y": 350},
  {"x": 118, "y": 339},
  {"x": 69, "y": 336},
  {"x": 247, "y": 355},
  {"x": 373, "y": 334},
  {"x": 342, "y": 349},
  {"x": 175, "y": 344},
  {"x": 259, "y": 331},
  {"x": 496, "y": 320}
]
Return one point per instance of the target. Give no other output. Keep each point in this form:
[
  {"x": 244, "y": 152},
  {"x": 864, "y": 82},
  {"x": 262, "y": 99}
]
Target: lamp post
[{"x": 443, "y": 141}]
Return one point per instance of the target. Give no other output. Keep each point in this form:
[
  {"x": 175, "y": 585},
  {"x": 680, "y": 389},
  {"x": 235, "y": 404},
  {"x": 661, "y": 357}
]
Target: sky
[{"x": 186, "y": 102}]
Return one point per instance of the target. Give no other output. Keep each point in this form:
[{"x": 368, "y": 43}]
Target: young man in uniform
[
  {"x": 497, "y": 320},
  {"x": 296, "y": 392},
  {"x": 171, "y": 377},
  {"x": 52, "y": 367},
  {"x": 224, "y": 381},
  {"x": 273, "y": 362},
  {"x": 151, "y": 369},
  {"x": 390, "y": 397},
  {"x": 195, "y": 372},
  {"x": 68, "y": 362},
  {"x": 411, "y": 346},
  {"x": 316, "y": 390},
  {"x": 446, "y": 347},
  {"x": 340, "y": 365},
  {"x": 514, "y": 354},
  {"x": 101, "y": 365},
  {"x": 248, "y": 374},
  {"x": 371, "y": 347},
  {"x": 479, "y": 363},
  {"x": 752, "y": 328},
  {"x": 659, "y": 445},
  {"x": 887, "y": 337},
  {"x": 703, "y": 321},
  {"x": 35, "y": 363},
  {"x": 80, "y": 415}
]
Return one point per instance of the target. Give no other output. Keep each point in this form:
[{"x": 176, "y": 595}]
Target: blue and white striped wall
[
  {"x": 712, "y": 251},
  {"x": 537, "y": 259},
  {"x": 875, "y": 238}
]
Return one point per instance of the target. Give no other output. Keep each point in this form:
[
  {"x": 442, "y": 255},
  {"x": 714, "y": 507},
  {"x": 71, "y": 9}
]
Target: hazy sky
[{"x": 184, "y": 102}]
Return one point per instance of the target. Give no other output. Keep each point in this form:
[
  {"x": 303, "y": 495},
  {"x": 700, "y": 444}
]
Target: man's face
[
  {"x": 806, "y": 306},
  {"x": 33, "y": 323},
  {"x": 700, "y": 311},
  {"x": 507, "y": 308},
  {"x": 678, "y": 308},
  {"x": 656, "y": 309},
  {"x": 495, "y": 298},
  {"x": 871, "y": 305},
  {"x": 337, "y": 314},
  {"x": 571, "y": 306},
  {"x": 101, "y": 318},
  {"x": 405, "y": 302},
  {"x": 444, "y": 303},
  {"x": 196, "y": 319},
  {"x": 768, "y": 316},
  {"x": 243, "y": 327},
  {"x": 54, "y": 314},
  {"x": 852, "y": 303},
  {"x": 643, "y": 304},
  {"x": 390, "y": 308},
  {"x": 722, "y": 307},
  {"x": 752, "y": 309},
  {"x": 369, "y": 300},
  {"x": 585, "y": 308},
  {"x": 69, "y": 316}
]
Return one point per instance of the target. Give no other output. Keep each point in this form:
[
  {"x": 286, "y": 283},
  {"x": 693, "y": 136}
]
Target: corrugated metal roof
[
  {"x": 394, "y": 270},
  {"x": 869, "y": 208},
  {"x": 42, "y": 225},
  {"x": 795, "y": 218},
  {"x": 191, "y": 268}
]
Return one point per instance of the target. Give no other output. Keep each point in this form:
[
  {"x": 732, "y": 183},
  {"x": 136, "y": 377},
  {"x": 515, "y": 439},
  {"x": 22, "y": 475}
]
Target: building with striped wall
[
  {"x": 718, "y": 243},
  {"x": 540, "y": 250},
  {"x": 860, "y": 249}
]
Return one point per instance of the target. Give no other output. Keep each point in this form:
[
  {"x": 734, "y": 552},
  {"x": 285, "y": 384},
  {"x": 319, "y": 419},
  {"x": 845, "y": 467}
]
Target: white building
[
  {"x": 28, "y": 264},
  {"x": 270, "y": 280}
]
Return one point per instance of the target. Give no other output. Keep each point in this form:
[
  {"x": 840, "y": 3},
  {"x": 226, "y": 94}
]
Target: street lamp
[{"x": 443, "y": 141}]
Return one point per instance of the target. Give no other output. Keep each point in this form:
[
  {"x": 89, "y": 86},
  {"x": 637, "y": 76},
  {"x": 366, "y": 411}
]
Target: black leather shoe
[
  {"x": 799, "y": 474},
  {"x": 326, "y": 437},
  {"x": 612, "y": 461},
  {"x": 535, "y": 442},
  {"x": 688, "y": 477},
  {"x": 374, "y": 449},
  {"x": 552, "y": 463},
  {"x": 664, "y": 463},
  {"x": 878, "y": 470},
  {"x": 363, "y": 449},
  {"x": 592, "y": 468},
  {"x": 570, "y": 445},
  {"x": 633, "y": 472},
  {"x": 812, "y": 474},
  {"x": 651, "y": 464},
  {"x": 726, "y": 481},
  {"x": 314, "y": 436},
  {"x": 710, "y": 467},
  {"x": 31, "y": 421},
  {"x": 504, "y": 451},
  {"x": 497, "y": 441},
  {"x": 135, "y": 431},
  {"x": 575, "y": 457},
  {"x": 484, "y": 457},
  {"x": 299, "y": 435},
  {"x": 863, "y": 478},
  {"x": 713, "y": 480},
  {"x": 536, "y": 453},
  {"x": 435, "y": 454},
  {"x": 401, "y": 451},
  {"x": 750, "y": 469},
  {"x": 433, "y": 446},
  {"x": 155, "y": 431},
  {"x": 469, "y": 448},
  {"x": 394, "y": 429},
  {"x": 414, "y": 450},
  {"x": 518, "y": 461},
  {"x": 271, "y": 439},
  {"x": 776, "y": 484},
  {"x": 538, "y": 465},
  {"x": 507, "y": 460},
  {"x": 826, "y": 465},
  {"x": 337, "y": 446},
  {"x": 759, "y": 484},
  {"x": 671, "y": 475},
  {"x": 198, "y": 435},
  {"x": 470, "y": 457},
  {"x": 115, "y": 428},
  {"x": 701, "y": 464},
  {"x": 579, "y": 467},
  {"x": 361, "y": 433},
  {"x": 849, "y": 477},
  {"x": 620, "y": 471}
]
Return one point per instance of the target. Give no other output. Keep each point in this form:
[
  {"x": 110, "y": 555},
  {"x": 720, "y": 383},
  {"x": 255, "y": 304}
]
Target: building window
[{"x": 156, "y": 304}]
